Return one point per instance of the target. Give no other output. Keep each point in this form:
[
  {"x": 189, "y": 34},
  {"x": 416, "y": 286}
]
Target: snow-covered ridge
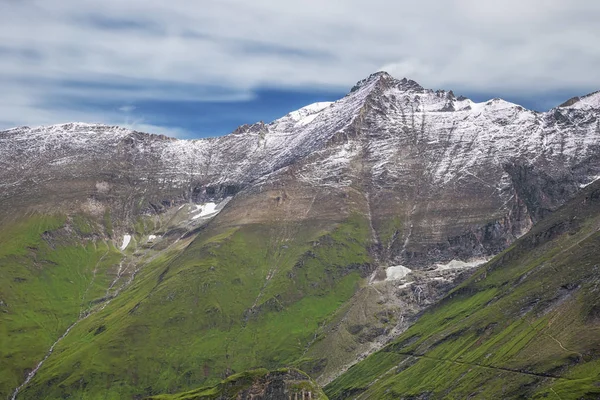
[
  {"x": 588, "y": 102},
  {"x": 460, "y": 135},
  {"x": 239, "y": 158},
  {"x": 75, "y": 127},
  {"x": 311, "y": 109}
]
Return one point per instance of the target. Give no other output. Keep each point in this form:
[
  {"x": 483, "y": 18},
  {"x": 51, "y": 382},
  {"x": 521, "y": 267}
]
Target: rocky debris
[{"x": 381, "y": 311}]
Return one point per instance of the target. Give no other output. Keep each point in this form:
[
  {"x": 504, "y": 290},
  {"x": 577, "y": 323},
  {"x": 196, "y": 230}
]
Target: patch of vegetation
[
  {"x": 108, "y": 225},
  {"x": 234, "y": 299}
]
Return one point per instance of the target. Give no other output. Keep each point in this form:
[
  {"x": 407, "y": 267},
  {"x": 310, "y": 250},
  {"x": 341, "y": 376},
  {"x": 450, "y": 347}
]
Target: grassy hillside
[
  {"x": 526, "y": 325},
  {"x": 227, "y": 301},
  {"x": 52, "y": 269}
]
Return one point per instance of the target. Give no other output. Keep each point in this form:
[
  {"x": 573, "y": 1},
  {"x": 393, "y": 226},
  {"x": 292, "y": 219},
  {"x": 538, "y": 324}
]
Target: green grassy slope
[
  {"x": 233, "y": 299},
  {"x": 52, "y": 269},
  {"x": 526, "y": 325}
]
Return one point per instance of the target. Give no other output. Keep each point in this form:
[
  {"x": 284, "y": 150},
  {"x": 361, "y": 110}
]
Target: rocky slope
[
  {"x": 309, "y": 241},
  {"x": 525, "y": 325}
]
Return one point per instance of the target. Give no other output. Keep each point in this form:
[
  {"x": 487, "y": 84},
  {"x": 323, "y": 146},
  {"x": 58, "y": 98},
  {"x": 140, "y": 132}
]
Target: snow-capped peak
[{"x": 380, "y": 76}]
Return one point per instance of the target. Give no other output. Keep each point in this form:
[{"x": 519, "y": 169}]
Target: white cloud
[
  {"x": 187, "y": 49},
  {"x": 127, "y": 108}
]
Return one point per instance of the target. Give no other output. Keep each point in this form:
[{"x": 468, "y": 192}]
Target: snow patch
[
  {"x": 405, "y": 285},
  {"x": 594, "y": 179},
  {"x": 151, "y": 238},
  {"x": 476, "y": 107},
  {"x": 205, "y": 210},
  {"x": 396, "y": 272},
  {"x": 301, "y": 114},
  {"x": 307, "y": 120},
  {"x": 458, "y": 264},
  {"x": 126, "y": 240},
  {"x": 209, "y": 209}
]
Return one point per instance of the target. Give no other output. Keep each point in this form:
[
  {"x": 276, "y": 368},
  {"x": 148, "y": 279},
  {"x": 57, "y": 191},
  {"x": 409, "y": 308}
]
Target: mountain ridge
[{"x": 406, "y": 83}]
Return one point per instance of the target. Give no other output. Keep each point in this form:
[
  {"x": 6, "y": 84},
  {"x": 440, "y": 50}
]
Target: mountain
[
  {"x": 525, "y": 325},
  {"x": 134, "y": 265}
]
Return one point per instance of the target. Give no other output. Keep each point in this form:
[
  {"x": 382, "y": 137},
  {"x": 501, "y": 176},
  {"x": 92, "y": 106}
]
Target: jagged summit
[
  {"x": 409, "y": 84},
  {"x": 388, "y": 80},
  {"x": 64, "y": 126},
  {"x": 409, "y": 92},
  {"x": 373, "y": 77},
  {"x": 376, "y": 88}
]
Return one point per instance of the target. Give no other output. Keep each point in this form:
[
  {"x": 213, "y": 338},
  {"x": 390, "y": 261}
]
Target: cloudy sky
[{"x": 194, "y": 68}]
